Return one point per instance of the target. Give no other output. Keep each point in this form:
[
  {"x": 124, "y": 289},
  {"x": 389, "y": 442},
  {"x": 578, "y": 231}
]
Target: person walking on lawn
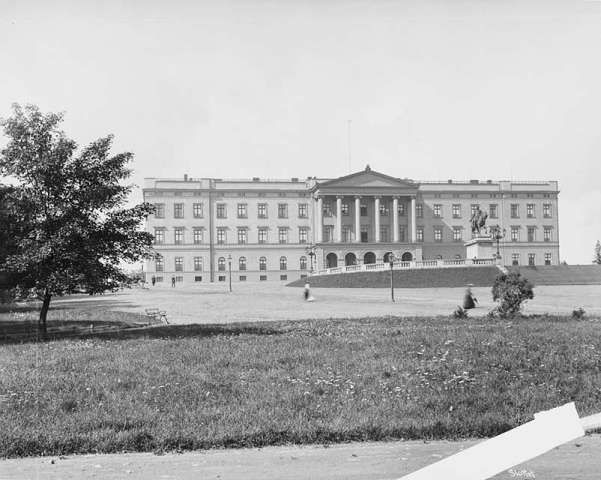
[{"x": 469, "y": 301}]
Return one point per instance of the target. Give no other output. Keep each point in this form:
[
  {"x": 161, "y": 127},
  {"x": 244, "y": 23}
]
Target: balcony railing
[{"x": 401, "y": 265}]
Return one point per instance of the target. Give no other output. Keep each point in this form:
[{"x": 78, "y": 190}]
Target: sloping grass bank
[{"x": 293, "y": 382}]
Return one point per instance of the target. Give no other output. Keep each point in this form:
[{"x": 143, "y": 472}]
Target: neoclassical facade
[{"x": 282, "y": 229}]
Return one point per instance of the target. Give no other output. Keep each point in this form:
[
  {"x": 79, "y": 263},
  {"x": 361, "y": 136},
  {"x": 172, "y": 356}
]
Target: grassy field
[{"x": 210, "y": 386}]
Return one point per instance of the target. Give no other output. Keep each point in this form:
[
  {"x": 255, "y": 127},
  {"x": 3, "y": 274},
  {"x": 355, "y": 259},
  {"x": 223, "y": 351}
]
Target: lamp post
[
  {"x": 311, "y": 252},
  {"x": 229, "y": 261},
  {"x": 391, "y": 261},
  {"x": 497, "y": 233}
]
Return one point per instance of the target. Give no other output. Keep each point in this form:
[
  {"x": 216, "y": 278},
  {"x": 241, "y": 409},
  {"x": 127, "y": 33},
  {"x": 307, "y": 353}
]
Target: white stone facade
[{"x": 275, "y": 229}]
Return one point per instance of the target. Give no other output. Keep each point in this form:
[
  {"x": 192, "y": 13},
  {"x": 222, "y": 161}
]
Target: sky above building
[{"x": 427, "y": 90}]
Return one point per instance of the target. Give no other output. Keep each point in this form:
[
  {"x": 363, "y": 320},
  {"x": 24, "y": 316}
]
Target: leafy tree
[
  {"x": 510, "y": 290},
  {"x": 597, "y": 254},
  {"x": 74, "y": 230}
]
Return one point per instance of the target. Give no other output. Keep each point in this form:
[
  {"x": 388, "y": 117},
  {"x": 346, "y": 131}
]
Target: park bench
[{"x": 156, "y": 315}]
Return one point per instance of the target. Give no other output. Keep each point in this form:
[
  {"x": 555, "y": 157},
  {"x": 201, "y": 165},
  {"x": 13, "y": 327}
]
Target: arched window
[
  {"x": 303, "y": 263},
  {"x": 262, "y": 263},
  {"x": 242, "y": 263},
  {"x": 283, "y": 263},
  {"x": 221, "y": 264}
]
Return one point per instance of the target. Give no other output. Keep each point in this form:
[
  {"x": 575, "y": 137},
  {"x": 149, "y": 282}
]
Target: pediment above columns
[{"x": 366, "y": 182}]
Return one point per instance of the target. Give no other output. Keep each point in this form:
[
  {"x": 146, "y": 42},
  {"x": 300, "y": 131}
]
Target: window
[
  {"x": 457, "y": 231},
  {"x": 283, "y": 263},
  {"x": 303, "y": 263},
  {"x": 515, "y": 258},
  {"x": 547, "y": 259},
  {"x": 178, "y": 235},
  {"x": 328, "y": 233},
  {"x": 178, "y": 210},
  {"x": 262, "y": 210},
  {"x": 419, "y": 234},
  {"x": 179, "y": 279},
  {"x": 515, "y": 234},
  {"x": 492, "y": 210},
  {"x": 515, "y": 210},
  {"x": 383, "y": 208},
  {"x": 327, "y": 209},
  {"x": 383, "y": 233},
  {"x": 437, "y": 210},
  {"x": 242, "y": 235},
  {"x": 402, "y": 209},
  {"x": 283, "y": 234},
  {"x": 242, "y": 263},
  {"x": 242, "y": 210},
  {"x": 281, "y": 194},
  {"x": 263, "y": 264},
  {"x": 242, "y": 278},
  {"x": 531, "y": 234},
  {"x": 198, "y": 264},
  {"x": 303, "y": 234},
  {"x": 198, "y": 279},
  {"x": 547, "y": 210},
  {"x": 221, "y": 235},
  {"x": 221, "y": 278},
  {"x": 302, "y": 210},
  {"x": 262, "y": 278},
  {"x": 363, "y": 208},
  {"x": 197, "y": 210},
  {"x": 179, "y": 264},
  {"x": 402, "y": 233},
  {"x": 419, "y": 210},
  {"x": 159, "y": 236},
  {"x": 159, "y": 266},
  {"x": 346, "y": 234},
  {"x": 282, "y": 210},
  {"x": 221, "y": 264},
  {"x": 364, "y": 233},
  {"x": 474, "y": 207},
  {"x": 547, "y": 234},
  {"x": 456, "y": 210},
  {"x": 345, "y": 209},
  {"x": 530, "y": 210},
  {"x": 262, "y": 234},
  {"x": 283, "y": 277},
  {"x": 197, "y": 235},
  {"x": 221, "y": 210},
  {"x": 159, "y": 211},
  {"x": 438, "y": 234},
  {"x": 531, "y": 259}
]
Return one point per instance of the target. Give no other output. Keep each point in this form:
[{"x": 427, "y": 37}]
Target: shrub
[
  {"x": 578, "y": 313},
  {"x": 510, "y": 290},
  {"x": 459, "y": 313}
]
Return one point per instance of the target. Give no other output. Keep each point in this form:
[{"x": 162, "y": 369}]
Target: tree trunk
[{"x": 43, "y": 313}]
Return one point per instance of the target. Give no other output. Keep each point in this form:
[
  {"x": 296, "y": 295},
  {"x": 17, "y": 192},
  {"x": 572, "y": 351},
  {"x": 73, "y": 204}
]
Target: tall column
[
  {"x": 319, "y": 221},
  {"x": 377, "y": 219},
  {"x": 395, "y": 219},
  {"x": 357, "y": 219},
  {"x": 413, "y": 221},
  {"x": 339, "y": 219}
]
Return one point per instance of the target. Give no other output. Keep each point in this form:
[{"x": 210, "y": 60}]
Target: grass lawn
[{"x": 257, "y": 384}]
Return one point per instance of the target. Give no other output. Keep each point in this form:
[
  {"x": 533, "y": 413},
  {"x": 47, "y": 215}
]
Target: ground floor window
[
  {"x": 547, "y": 259},
  {"x": 221, "y": 278},
  {"x": 263, "y": 278},
  {"x": 198, "y": 279},
  {"x": 158, "y": 279},
  {"x": 283, "y": 277},
  {"x": 515, "y": 258},
  {"x": 179, "y": 279},
  {"x": 531, "y": 259},
  {"x": 243, "y": 278}
]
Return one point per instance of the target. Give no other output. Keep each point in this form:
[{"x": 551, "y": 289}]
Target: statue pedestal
[{"x": 480, "y": 248}]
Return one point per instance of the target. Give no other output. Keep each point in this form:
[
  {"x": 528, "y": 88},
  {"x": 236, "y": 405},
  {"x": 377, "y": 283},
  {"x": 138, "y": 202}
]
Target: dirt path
[{"x": 579, "y": 460}]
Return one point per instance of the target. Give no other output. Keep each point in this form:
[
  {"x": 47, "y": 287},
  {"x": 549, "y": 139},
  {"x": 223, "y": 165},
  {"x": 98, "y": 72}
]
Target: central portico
[{"x": 362, "y": 217}]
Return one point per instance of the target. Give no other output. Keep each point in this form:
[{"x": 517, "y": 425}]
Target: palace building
[{"x": 282, "y": 229}]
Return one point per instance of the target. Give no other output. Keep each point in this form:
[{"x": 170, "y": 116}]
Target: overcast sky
[{"x": 433, "y": 89}]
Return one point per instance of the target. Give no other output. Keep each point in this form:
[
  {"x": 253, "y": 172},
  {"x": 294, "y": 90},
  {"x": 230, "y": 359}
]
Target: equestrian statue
[{"x": 478, "y": 221}]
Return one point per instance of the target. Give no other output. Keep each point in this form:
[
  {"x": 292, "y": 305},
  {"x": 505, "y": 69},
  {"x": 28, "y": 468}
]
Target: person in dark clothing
[
  {"x": 153, "y": 280},
  {"x": 469, "y": 301},
  {"x": 173, "y": 281}
]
